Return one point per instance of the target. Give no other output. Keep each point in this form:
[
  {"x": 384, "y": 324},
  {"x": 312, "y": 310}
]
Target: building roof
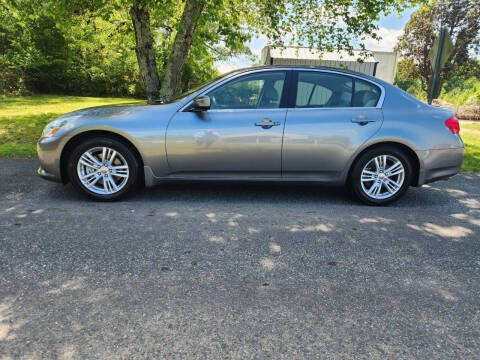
[{"x": 305, "y": 53}]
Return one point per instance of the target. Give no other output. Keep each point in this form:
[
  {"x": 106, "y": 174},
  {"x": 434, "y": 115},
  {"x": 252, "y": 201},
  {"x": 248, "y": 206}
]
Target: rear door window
[{"x": 317, "y": 89}]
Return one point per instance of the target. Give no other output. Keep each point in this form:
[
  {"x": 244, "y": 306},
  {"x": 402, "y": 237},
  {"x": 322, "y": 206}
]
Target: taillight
[{"x": 453, "y": 125}]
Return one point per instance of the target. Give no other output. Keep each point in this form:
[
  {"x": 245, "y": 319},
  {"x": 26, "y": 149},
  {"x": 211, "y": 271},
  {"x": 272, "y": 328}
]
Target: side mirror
[{"x": 201, "y": 103}]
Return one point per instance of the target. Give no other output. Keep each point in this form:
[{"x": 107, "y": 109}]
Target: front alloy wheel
[{"x": 102, "y": 168}]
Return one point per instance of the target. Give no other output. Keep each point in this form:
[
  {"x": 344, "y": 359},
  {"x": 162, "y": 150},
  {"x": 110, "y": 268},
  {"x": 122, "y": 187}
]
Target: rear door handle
[{"x": 362, "y": 120}]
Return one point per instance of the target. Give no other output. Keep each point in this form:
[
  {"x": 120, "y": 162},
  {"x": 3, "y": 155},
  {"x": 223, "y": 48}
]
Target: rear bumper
[{"x": 439, "y": 164}]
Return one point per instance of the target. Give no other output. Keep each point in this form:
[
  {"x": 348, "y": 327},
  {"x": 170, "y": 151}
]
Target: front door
[
  {"x": 333, "y": 115},
  {"x": 240, "y": 136}
]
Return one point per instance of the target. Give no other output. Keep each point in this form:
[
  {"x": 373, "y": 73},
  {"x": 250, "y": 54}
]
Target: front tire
[
  {"x": 103, "y": 169},
  {"x": 381, "y": 176}
]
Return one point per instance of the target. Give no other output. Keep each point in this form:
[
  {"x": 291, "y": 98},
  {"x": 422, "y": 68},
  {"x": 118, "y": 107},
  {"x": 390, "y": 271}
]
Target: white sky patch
[
  {"x": 242, "y": 61},
  {"x": 257, "y": 52},
  {"x": 226, "y": 67},
  {"x": 388, "y": 41}
]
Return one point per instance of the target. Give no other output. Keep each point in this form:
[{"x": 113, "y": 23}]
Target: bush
[
  {"x": 405, "y": 84},
  {"x": 413, "y": 87},
  {"x": 461, "y": 91},
  {"x": 11, "y": 80}
]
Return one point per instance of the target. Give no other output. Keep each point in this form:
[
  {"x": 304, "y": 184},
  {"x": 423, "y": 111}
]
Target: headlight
[{"x": 53, "y": 127}]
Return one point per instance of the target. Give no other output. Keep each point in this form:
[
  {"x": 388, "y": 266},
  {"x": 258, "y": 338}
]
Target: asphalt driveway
[{"x": 237, "y": 271}]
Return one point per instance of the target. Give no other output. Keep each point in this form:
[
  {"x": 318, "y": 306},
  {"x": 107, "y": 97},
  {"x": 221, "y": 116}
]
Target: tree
[
  {"x": 181, "y": 45},
  {"x": 67, "y": 47},
  {"x": 462, "y": 20},
  {"x": 203, "y": 24},
  {"x": 94, "y": 43},
  {"x": 325, "y": 24},
  {"x": 87, "y": 47},
  {"x": 147, "y": 62}
]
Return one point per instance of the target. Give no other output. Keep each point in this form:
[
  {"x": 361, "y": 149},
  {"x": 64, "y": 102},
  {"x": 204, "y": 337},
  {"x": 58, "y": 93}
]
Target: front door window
[{"x": 256, "y": 91}]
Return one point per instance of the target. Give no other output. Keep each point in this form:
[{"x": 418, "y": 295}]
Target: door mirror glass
[{"x": 201, "y": 103}]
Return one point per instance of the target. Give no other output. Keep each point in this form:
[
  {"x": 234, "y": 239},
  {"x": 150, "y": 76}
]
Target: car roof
[{"x": 307, "y": 67}]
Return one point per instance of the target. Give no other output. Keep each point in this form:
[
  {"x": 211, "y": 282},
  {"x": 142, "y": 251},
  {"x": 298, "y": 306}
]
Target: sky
[{"x": 390, "y": 27}]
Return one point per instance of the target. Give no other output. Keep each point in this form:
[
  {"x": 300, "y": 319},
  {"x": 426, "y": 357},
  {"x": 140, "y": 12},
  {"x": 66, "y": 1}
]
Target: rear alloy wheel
[
  {"x": 103, "y": 169},
  {"x": 381, "y": 176}
]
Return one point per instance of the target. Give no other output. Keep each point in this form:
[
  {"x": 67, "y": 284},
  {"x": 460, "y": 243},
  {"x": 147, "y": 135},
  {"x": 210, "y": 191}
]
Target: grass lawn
[
  {"x": 470, "y": 134},
  {"x": 470, "y": 126},
  {"x": 22, "y": 119}
]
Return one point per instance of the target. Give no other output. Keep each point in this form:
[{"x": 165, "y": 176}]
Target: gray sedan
[{"x": 260, "y": 124}]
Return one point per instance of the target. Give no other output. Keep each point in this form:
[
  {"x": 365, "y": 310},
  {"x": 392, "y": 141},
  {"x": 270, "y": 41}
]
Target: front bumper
[
  {"x": 439, "y": 164},
  {"x": 49, "y": 152},
  {"x": 47, "y": 176}
]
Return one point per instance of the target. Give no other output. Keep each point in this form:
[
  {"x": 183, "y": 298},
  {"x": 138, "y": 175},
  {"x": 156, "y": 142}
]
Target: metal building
[{"x": 380, "y": 64}]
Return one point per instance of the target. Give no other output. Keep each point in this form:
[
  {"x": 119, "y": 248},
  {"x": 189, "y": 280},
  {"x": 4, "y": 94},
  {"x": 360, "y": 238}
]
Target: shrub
[{"x": 461, "y": 91}]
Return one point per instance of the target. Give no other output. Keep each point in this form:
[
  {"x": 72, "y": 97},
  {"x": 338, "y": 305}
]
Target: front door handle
[{"x": 267, "y": 123}]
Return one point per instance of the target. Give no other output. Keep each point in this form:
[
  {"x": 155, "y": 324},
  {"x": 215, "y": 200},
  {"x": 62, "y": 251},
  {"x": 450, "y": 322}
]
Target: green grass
[
  {"x": 470, "y": 126},
  {"x": 22, "y": 119},
  {"x": 470, "y": 134}
]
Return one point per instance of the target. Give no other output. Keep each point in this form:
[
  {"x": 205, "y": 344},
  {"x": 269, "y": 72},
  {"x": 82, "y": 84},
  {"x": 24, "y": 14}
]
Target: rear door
[{"x": 332, "y": 115}]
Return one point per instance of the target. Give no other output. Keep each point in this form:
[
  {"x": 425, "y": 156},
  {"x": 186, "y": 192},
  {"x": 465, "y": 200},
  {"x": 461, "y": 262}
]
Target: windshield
[{"x": 199, "y": 87}]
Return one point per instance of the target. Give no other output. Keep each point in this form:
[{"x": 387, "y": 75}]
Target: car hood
[{"x": 120, "y": 112}]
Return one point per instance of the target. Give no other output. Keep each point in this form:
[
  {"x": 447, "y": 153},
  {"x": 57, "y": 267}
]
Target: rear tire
[
  {"x": 381, "y": 175},
  {"x": 103, "y": 169}
]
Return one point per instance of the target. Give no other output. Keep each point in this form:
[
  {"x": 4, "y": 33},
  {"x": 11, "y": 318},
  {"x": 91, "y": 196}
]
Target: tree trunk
[
  {"x": 183, "y": 40},
  {"x": 144, "y": 50}
]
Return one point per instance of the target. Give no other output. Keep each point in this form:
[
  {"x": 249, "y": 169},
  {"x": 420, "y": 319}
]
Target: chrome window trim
[
  {"x": 248, "y": 110},
  {"x": 335, "y": 108},
  {"x": 280, "y": 68}
]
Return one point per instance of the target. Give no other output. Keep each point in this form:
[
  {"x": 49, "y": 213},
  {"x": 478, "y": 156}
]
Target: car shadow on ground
[
  {"x": 461, "y": 188},
  {"x": 264, "y": 193}
]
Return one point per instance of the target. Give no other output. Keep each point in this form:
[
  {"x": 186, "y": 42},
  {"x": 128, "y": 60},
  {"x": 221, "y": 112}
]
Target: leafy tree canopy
[
  {"x": 462, "y": 20},
  {"x": 88, "y": 46}
]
